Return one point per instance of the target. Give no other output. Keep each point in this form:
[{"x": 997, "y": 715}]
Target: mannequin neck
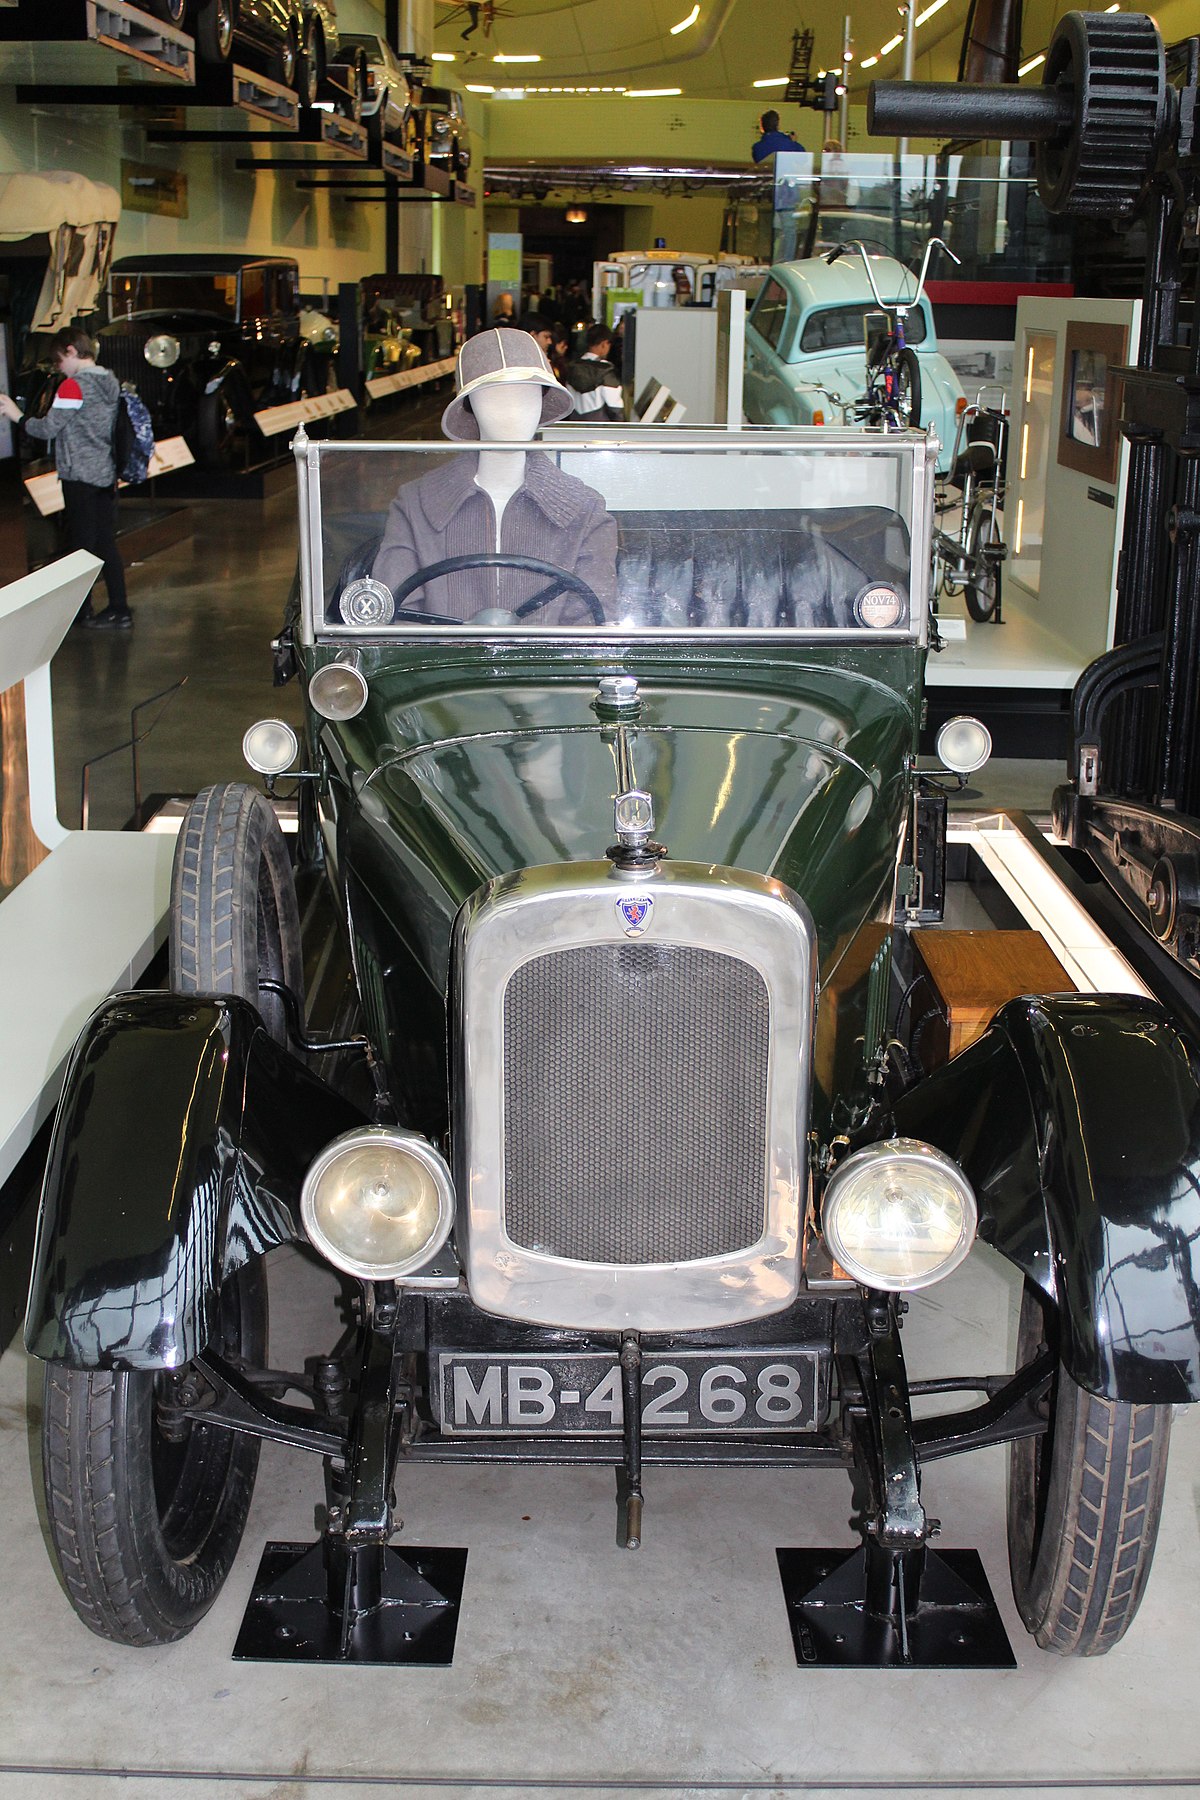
[{"x": 501, "y": 473}]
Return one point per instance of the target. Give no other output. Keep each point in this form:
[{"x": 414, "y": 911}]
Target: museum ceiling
[{"x": 708, "y": 49}]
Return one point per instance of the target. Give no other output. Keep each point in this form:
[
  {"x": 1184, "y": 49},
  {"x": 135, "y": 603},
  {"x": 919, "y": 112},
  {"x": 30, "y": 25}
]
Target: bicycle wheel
[
  {"x": 981, "y": 589},
  {"x": 908, "y": 387}
]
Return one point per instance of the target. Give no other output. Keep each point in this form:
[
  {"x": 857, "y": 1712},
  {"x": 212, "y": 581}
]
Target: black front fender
[
  {"x": 178, "y": 1153},
  {"x": 1077, "y": 1120}
]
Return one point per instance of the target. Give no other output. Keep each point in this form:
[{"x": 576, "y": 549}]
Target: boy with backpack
[{"x": 82, "y": 426}]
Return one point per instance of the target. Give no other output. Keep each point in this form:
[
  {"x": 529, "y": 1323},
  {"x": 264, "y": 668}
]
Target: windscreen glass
[
  {"x": 609, "y": 537},
  {"x": 183, "y": 292},
  {"x": 843, "y": 328}
]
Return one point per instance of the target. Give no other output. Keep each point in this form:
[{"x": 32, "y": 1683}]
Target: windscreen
[
  {"x": 613, "y": 538},
  {"x": 186, "y": 291},
  {"x": 843, "y": 328}
]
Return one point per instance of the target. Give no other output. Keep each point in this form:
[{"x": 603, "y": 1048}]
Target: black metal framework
[
  {"x": 354, "y": 1596},
  {"x": 1117, "y": 128}
]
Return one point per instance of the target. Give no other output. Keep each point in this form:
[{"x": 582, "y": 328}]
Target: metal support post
[
  {"x": 354, "y": 1596},
  {"x": 906, "y": 73},
  {"x": 894, "y": 1603}
]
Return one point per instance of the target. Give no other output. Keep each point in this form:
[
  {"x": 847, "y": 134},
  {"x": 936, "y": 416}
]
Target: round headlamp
[
  {"x": 963, "y": 745},
  {"x": 378, "y": 1203},
  {"x": 899, "y": 1215},
  {"x": 162, "y": 351},
  {"x": 338, "y": 691},
  {"x": 270, "y": 747}
]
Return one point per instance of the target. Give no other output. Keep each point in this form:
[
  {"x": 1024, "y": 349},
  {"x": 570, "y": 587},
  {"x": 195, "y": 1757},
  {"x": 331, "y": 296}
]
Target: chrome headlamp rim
[
  {"x": 346, "y": 663},
  {"x": 914, "y": 1152},
  {"x": 259, "y": 766},
  {"x": 410, "y": 1143},
  {"x": 162, "y": 350},
  {"x": 960, "y": 767}
]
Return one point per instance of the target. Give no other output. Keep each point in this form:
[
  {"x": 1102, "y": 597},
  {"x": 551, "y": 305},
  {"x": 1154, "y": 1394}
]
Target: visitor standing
[
  {"x": 80, "y": 424},
  {"x": 772, "y": 139},
  {"x": 592, "y": 381}
]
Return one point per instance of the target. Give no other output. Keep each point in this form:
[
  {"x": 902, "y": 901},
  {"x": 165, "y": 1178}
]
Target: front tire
[
  {"x": 286, "y": 58},
  {"x": 234, "y": 916},
  {"x": 145, "y": 1524},
  {"x": 171, "y": 12},
  {"x": 908, "y": 388},
  {"x": 310, "y": 66},
  {"x": 1083, "y": 1506},
  {"x": 982, "y": 591},
  {"x": 214, "y": 26}
]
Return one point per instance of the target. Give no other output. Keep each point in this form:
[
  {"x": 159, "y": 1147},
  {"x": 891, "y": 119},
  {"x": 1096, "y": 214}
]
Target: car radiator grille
[
  {"x": 124, "y": 355},
  {"x": 635, "y": 1103}
]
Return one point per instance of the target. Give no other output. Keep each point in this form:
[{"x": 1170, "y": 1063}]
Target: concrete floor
[{"x": 579, "y": 1668}]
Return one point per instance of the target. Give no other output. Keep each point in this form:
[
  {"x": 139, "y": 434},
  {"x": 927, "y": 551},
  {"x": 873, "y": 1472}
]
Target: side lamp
[{"x": 963, "y": 745}]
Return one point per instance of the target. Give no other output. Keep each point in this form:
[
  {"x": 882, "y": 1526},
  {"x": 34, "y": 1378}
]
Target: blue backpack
[{"x": 133, "y": 436}]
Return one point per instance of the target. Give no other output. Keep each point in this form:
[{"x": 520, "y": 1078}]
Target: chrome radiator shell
[{"x": 729, "y": 916}]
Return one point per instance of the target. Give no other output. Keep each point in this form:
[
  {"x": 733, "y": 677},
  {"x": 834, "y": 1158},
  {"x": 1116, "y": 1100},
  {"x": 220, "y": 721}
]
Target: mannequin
[
  {"x": 504, "y": 415},
  {"x": 500, "y": 502}
]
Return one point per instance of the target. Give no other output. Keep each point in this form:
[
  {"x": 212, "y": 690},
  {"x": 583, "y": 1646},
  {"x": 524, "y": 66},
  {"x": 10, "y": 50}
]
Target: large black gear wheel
[{"x": 1115, "y": 67}]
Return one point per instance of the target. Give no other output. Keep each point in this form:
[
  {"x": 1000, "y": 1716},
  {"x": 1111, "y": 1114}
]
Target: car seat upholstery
[
  {"x": 756, "y": 570},
  {"x": 753, "y": 570}
]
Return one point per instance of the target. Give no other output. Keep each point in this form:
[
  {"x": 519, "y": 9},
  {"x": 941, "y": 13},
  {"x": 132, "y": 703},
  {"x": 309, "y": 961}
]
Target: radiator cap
[{"x": 617, "y": 697}]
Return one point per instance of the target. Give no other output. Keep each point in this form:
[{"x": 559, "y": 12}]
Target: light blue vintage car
[{"x": 806, "y": 345}]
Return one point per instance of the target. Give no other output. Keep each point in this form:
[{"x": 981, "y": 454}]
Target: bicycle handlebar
[{"x": 897, "y": 306}]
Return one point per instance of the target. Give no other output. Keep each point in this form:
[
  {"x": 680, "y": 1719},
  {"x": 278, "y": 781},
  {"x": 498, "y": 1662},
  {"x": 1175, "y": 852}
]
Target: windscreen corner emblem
[{"x": 634, "y": 911}]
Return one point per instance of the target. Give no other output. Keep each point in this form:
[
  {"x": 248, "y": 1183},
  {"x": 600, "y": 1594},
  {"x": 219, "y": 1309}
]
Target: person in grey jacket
[{"x": 80, "y": 425}]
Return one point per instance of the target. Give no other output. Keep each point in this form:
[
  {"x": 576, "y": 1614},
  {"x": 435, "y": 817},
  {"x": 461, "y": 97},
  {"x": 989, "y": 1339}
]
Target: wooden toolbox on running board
[{"x": 964, "y": 977}]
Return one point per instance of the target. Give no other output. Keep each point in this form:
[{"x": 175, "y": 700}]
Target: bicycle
[
  {"x": 893, "y": 394},
  {"x": 968, "y": 561}
]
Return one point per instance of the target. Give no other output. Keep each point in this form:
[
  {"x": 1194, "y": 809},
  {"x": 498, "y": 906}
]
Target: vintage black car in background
[
  {"x": 208, "y": 340},
  {"x": 617, "y": 1158}
]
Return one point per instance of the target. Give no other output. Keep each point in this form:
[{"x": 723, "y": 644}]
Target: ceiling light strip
[{"x": 684, "y": 23}]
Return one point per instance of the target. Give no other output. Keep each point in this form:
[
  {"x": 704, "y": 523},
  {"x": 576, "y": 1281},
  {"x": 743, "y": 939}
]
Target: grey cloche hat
[{"x": 502, "y": 355}]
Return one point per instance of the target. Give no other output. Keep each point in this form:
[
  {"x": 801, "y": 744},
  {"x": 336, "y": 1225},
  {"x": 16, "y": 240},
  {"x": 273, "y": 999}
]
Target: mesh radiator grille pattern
[{"x": 635, "y": 1103}]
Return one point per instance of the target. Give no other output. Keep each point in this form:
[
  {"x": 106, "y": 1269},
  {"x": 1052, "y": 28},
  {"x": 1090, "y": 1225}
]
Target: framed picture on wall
[{"x": 1091, "y": 406}]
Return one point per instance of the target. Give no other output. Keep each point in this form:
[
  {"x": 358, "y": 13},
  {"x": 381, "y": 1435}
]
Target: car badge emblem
[{"x": 634, "y": 911}]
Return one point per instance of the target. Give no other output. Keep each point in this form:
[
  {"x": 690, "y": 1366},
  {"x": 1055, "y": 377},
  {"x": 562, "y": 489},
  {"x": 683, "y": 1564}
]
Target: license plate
[{"x": 683, "y": 1391}]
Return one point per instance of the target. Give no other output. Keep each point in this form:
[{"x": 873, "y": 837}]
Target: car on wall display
[
  {"x": 806, "y": 345},
  {"x": 620, "y": 1164},
  {"x": 388, "y": 97},
  {"x": 442, "y": 129},
  {"x": 294, "y": 41},
  {"x": 209, "y": 339}
]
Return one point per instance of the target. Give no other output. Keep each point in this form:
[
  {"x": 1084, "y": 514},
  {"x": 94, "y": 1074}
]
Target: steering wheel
[{"x": 500, "y": 559}]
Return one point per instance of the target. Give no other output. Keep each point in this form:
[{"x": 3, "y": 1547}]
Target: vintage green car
[{"x": 623, "y": 1164}]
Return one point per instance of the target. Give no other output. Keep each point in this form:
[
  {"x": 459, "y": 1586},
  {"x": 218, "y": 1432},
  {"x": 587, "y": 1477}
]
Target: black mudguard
[
  {"x": 1077, "y": 1120},
  {"x": 178, "y": 1152}
]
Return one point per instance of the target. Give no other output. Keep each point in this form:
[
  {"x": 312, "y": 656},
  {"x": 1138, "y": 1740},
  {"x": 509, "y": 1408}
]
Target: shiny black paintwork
[
  {"x": 138, "y": 1232},
  {"x": 1077, "y": 1120}
]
